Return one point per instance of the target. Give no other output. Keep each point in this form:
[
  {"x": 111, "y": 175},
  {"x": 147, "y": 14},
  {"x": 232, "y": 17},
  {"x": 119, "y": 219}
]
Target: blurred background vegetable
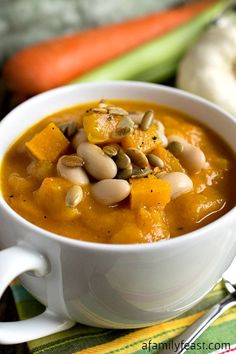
[
  {"x": 209, "y": 68},
  {"x": 146, "y": 48},
  {"x": 23, "y": 22},
  {"x": 157, "y": 54},
  {"x": 30, "y": 70}
]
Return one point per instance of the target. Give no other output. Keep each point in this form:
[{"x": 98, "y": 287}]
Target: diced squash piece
[
  {"x": 194, "y": 210},
  {"x": 173, "y": 126},
  {"x": 53, "y": 190},
  {"x": 20, "y": 185},
  {"x": 171, "y": 163},
  {"x": 93, "y": 212},
  {"x": 98, "y": 127},
  {"x": 51, "y": 197},
  {"x": 153, "y": 223},
  {"x": 145, "y": 141},
  {"x": 149, "y": 192},
  {"x": 23, "y": 205},
  {"x": 49, "y": 144},
  {"x": 150, "y": 226},
  {"x": 129, "y": 233},
  {"x": 41, "y": 169},
  {"x": 187, "y": 130},
  {"x": 221, "y": 164}
]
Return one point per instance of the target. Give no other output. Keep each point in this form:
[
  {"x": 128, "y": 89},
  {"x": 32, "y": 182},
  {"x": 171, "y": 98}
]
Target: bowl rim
[{"x": 103, "y": 247}]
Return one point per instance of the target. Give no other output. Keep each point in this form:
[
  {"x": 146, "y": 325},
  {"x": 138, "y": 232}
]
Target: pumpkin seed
[
  {"x": 102, "y": 104},
  {"x": 125, "y": 173},
  {"x": 136, "y": 117},
  {"x": 111, "y": 150},
  {"x": 72, "y": 129},
  {"x": 155, "y": 160},
  {"x": 63, "y": 127},
  {"x": 74, "y": 196},
  {"x": 79, "y": 138},
  {"x": 160, "y": 174},
  {"x": 126, "y": 122},
  {"x": 141, "y": 172},
  {"x": 120, "y": 133},
  {"x": 137, "y": 157},
  {"x": 175, "y": 147},
  {"x": 147, "y": 120},
  {"x": 69, "y": 129},
  {"x": 122, "y": 160},
  {"x": 99, "y": 110},
  {"x": 117, "y": 111},
  {"x": 72, "y": 161}
]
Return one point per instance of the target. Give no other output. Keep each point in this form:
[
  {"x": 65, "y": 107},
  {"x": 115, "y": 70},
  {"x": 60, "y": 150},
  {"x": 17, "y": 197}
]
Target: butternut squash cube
[
  {"x": 20, "y": 185},
  {"x": 51, "y": 197},
  {"x": 129, "y": 233},
  {"x": 153, "y": 223},
  {"x": 53, "y": 189},
  {"x": 98, "y": 127},
  {"x": 40, "y": 169},
  {"x": 49, "y": 144},
  {"x": 145, "y": 141},
  {"x": 149, "y": 192},
  {"x": 193, "y": 210},
  {"x": 171, "y": 163}
]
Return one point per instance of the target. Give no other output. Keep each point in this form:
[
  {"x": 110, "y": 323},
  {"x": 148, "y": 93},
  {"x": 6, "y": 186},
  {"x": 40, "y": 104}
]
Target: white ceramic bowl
[{"x": 112, "y": 286}]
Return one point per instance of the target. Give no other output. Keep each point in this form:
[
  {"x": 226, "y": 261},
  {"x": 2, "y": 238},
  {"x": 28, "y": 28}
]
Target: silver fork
[{"x": 198, "y": 327}]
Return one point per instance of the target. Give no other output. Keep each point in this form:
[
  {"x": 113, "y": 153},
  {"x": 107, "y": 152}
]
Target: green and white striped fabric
[{"x": 219, "y": 338}]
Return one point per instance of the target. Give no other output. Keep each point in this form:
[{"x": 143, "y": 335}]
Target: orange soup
[{"x": 119, "y": 172}]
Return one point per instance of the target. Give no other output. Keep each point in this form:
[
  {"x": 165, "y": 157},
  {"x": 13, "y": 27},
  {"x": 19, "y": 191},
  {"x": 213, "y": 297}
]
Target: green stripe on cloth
[
  {"x": 72, "y": 343},
  {"x": 20, "y": 293},
  {"x": 223, "y": 333},
  {"x": 220, "y": 334},
  {"x": 97, "y": 340}
]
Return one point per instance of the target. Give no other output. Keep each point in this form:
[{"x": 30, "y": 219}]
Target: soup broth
[{"x": 148, "y": 162}]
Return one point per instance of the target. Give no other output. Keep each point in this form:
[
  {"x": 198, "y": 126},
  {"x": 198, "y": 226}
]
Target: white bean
[
  {"x": 163, "y": 138},
  {"x": 79, "y": 138},
  {"x": 179, "y": 182},
  {"x": 76, "y": 175},
  {"x": 178, "y": 138},
  {"x": 192, "y": 158},
  {"x": 160, "y": 126},
  {"x": 97, "y": 163},
  {"x": 110, "y": 191}
]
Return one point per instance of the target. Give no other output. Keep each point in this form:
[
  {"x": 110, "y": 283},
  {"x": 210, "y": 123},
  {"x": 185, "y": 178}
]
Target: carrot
[
  {"x": 55, "y": 62},
  {"x": 159, "y": 57}
]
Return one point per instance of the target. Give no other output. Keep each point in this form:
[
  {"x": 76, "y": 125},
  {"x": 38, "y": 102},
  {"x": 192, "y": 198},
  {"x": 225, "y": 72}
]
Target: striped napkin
[{"x": 219, "y": 338}]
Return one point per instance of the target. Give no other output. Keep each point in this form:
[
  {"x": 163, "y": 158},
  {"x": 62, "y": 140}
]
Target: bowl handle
[{"x": 13, "y": 262}]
